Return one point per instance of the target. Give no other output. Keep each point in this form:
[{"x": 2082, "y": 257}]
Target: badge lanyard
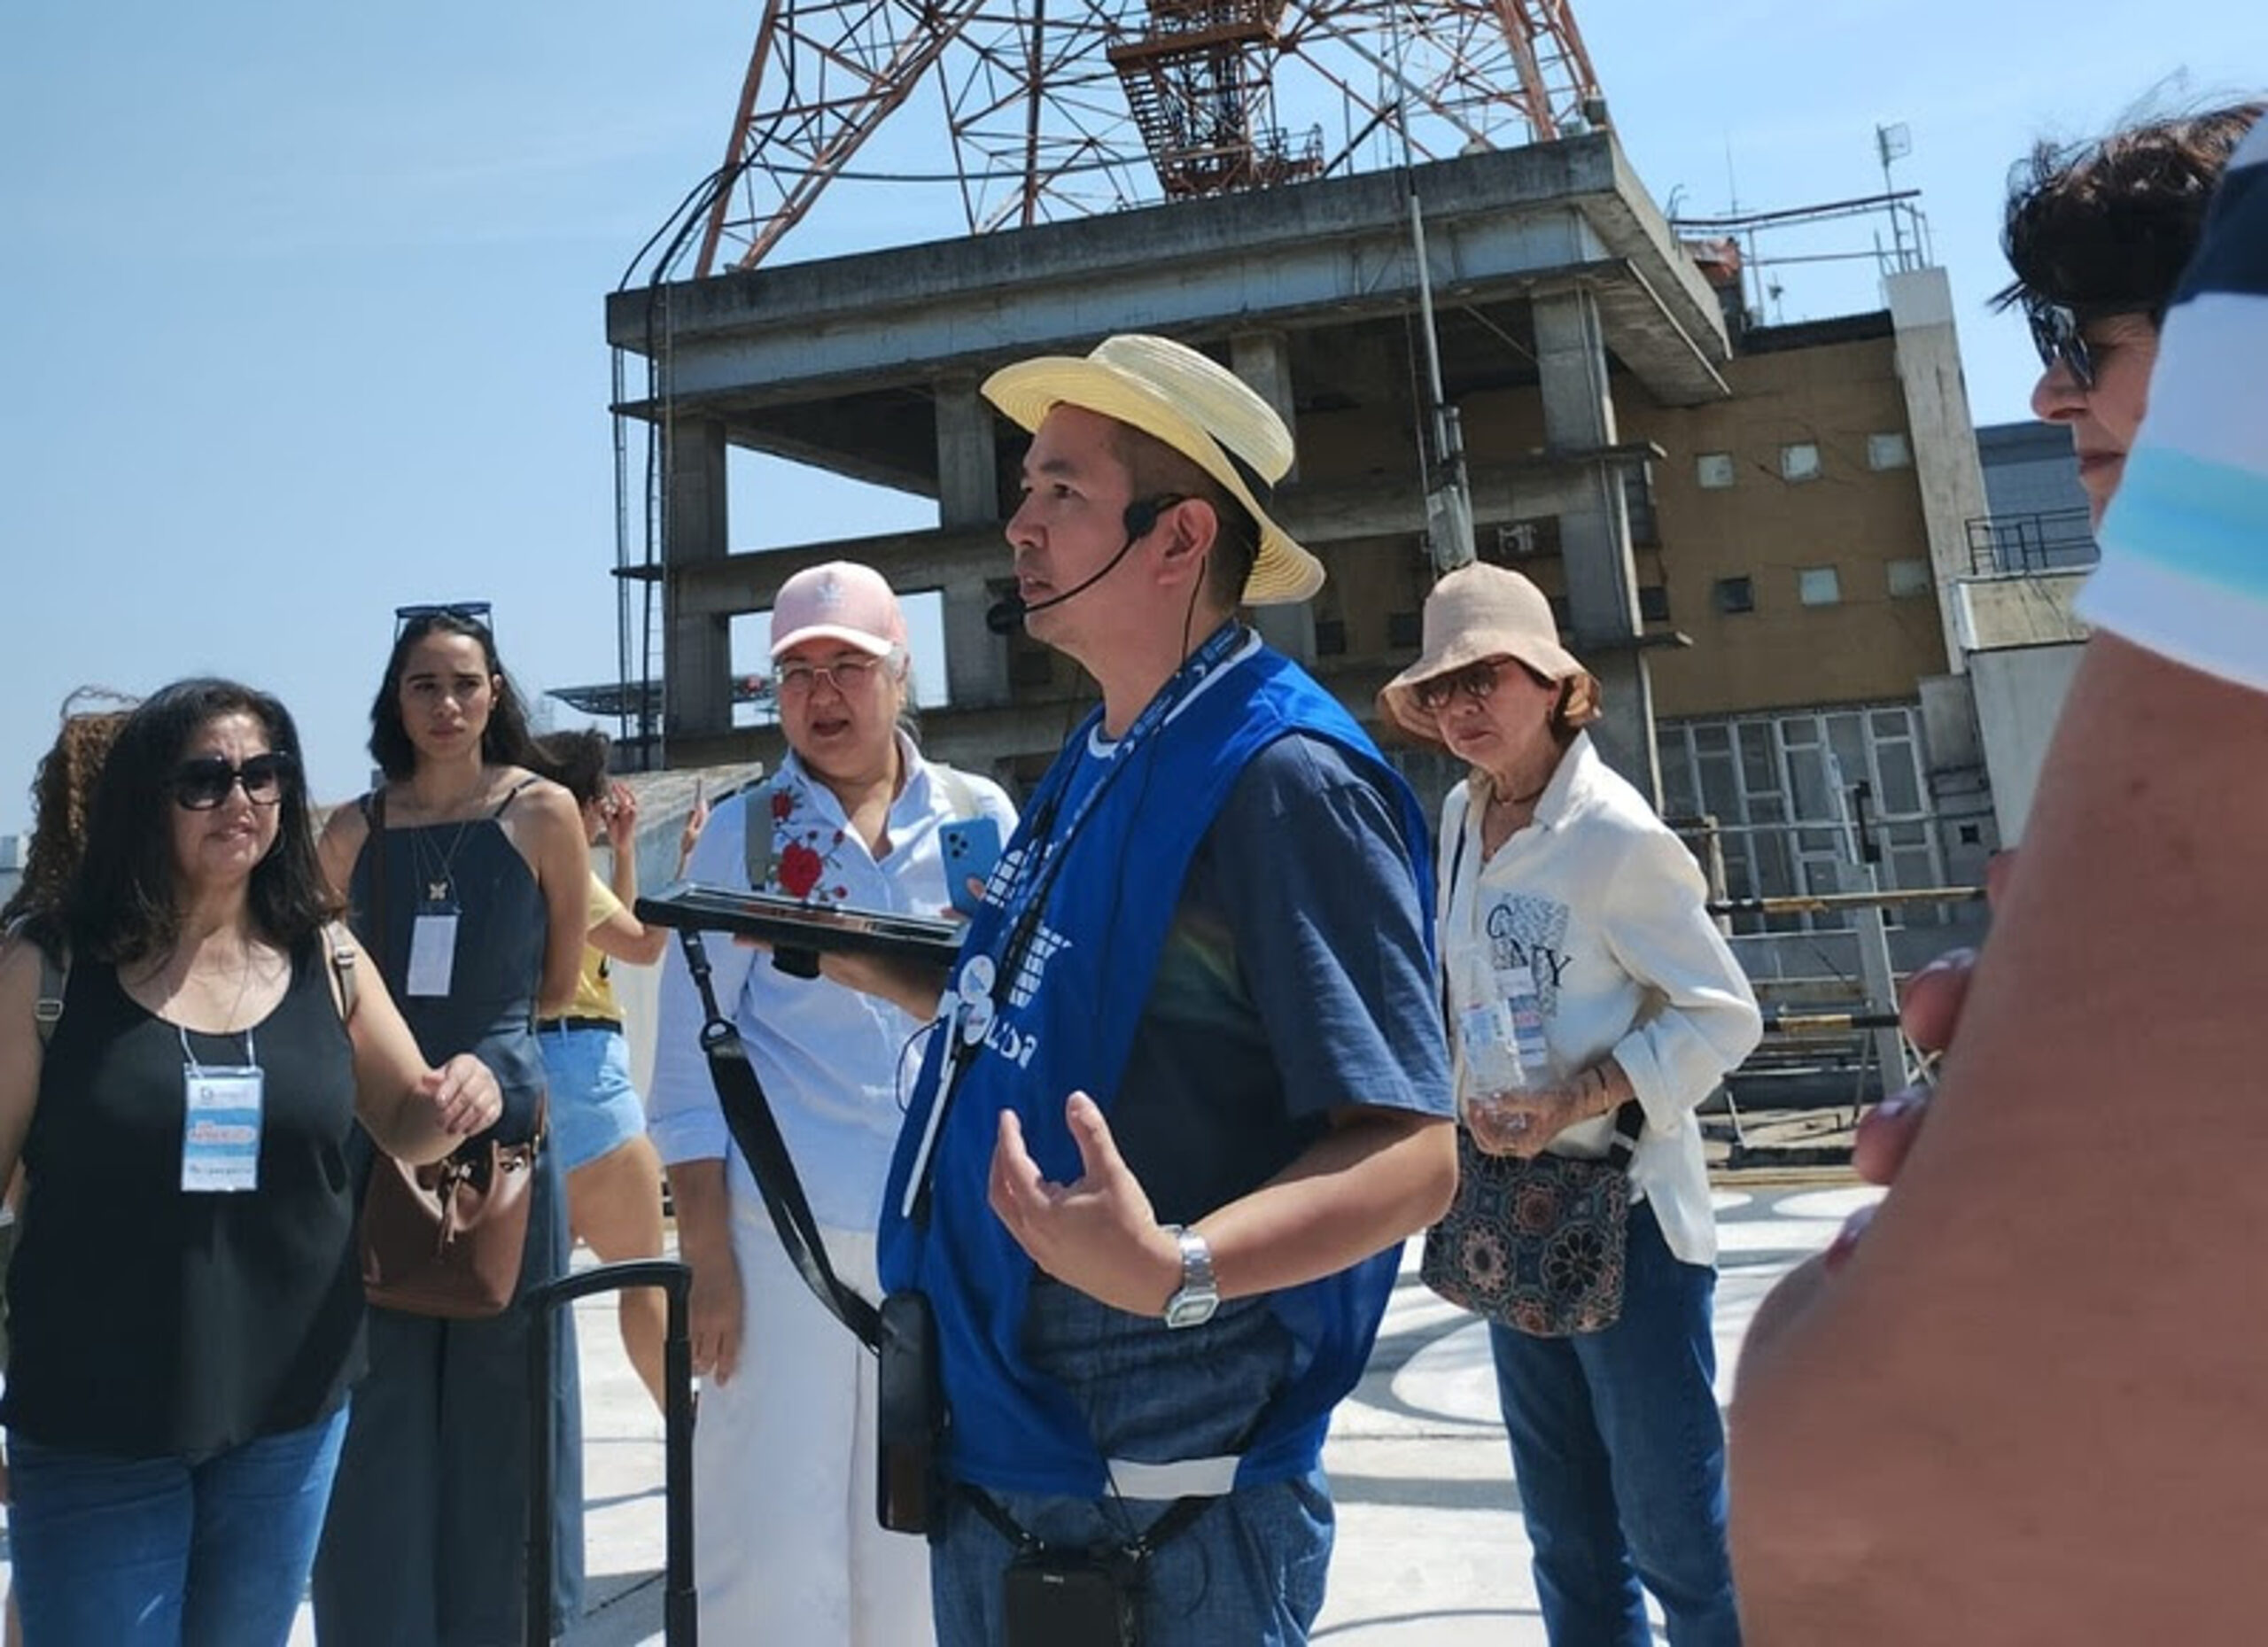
[
  {"x": 1027, "y": 894},
  {"x": 433, "y": 929},
  {"x": 221, "y": 1121}
]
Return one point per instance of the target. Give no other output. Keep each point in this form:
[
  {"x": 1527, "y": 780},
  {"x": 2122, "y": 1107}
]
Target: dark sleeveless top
[
  {"x": 148, "y": 1323},
  {"x": 501, "y": 922}
]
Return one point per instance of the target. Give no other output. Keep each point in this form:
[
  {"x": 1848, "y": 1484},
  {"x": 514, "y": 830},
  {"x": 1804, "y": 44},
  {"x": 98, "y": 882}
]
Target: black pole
[{"x": 680, "y": 1619}]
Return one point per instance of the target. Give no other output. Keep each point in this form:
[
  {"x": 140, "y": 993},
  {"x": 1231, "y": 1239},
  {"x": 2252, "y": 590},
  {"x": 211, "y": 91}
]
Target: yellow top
[{"x": 595, "y": 987}]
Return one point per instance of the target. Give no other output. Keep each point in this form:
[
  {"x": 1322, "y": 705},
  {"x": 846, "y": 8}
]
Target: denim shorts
[{"x": 594, "y": 1110}]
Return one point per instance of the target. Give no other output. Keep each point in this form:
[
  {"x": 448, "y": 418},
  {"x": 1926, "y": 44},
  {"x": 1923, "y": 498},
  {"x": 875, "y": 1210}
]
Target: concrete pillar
[
  {"x": 1264, "y": 360},
  {"x": 1595, "y": 533},
  {"x": 968, "y": 463},
  {"x": 698, "y": 689},
  {"x": 1945, "y": 464},
  {"x": 968, "y": 494}
]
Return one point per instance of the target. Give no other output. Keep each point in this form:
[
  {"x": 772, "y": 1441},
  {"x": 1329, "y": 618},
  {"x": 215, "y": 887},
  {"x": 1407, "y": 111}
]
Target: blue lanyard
[{"x": 1046, "y": 853}]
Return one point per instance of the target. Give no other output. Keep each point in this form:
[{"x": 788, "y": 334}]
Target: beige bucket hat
[
  {"x": 1478, "y": 613},
  {"x": 1198, "y": 408}
]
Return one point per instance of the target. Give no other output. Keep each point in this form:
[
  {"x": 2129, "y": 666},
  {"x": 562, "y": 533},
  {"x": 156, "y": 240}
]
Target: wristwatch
[{"x": 1193, "y": 1304}]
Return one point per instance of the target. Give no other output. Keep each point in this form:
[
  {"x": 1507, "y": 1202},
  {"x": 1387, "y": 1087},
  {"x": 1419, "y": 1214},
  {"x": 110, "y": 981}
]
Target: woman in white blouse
[{"x": 1559, "y": 880}]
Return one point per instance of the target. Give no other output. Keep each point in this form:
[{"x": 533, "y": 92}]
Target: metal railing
[{"x": 2045, "y": 541}]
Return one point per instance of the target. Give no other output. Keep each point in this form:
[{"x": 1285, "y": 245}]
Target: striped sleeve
[{"x": 2185, "y": 544}]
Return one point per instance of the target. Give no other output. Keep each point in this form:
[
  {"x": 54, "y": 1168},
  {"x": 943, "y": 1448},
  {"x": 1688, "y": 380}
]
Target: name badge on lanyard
[
  {"x": 219, "y": 1141},
  {"x": 432, "y": 954}
]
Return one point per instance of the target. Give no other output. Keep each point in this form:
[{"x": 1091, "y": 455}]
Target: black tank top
[{"x": 149, "y": 1322}]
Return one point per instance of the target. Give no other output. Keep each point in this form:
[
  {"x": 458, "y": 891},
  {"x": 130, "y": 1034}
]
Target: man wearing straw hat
[{"x": 1191, "y": 1093}]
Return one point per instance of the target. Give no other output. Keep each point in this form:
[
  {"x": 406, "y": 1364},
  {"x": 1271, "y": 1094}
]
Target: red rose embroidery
[
  {"x": 799, "y": 870},
  {"x": 782, "y": 803}
]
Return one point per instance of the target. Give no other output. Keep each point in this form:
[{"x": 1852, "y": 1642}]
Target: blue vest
[{"x": 1066, "y": 1021}]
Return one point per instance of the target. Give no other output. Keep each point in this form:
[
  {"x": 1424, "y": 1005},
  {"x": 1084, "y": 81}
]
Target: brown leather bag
[{"x": 446, "y": 1239}]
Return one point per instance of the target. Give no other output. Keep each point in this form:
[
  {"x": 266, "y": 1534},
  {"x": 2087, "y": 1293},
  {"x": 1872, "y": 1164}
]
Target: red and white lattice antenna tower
[{"x": 1064, "y": 108}]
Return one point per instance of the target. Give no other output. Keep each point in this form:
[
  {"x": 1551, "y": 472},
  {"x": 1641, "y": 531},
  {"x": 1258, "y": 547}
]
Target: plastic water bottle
[{"x": 1515, "y": 983}]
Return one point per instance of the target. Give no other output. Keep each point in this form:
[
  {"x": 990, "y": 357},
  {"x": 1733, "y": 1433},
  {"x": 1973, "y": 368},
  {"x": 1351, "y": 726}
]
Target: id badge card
[
  {"x": 219, "y": 1142},
  {"x": 432, "y": 955}
]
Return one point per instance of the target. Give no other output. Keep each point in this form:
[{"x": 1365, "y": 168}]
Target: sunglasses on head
[
  {"x": 1474, "y": 681},
  {"x": 469, "y": 611},
  {"x": 202, "y": 784}
]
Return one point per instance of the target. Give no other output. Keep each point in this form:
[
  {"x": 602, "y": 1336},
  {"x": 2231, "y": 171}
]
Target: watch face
[{"x": 1192, "y": 1309}]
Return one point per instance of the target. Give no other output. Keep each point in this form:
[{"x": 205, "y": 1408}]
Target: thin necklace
[{"x": 434, "y": 865}]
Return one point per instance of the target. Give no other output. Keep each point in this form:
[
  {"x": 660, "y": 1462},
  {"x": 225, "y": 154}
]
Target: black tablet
[{"x": 789, "y": 926}]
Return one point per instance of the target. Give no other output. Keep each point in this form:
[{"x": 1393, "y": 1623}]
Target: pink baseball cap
[{"x": 840, "y": 601}]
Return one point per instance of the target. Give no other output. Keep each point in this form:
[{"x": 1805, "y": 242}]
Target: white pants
[{"x": 787, "y": 1549}]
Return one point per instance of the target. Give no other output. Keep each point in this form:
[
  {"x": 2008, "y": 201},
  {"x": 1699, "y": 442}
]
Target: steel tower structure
[{"x": 1066, "y": 108}]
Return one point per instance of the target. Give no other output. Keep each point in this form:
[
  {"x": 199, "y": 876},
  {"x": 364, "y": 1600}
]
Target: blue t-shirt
[{"x": 1293, "y": 981}]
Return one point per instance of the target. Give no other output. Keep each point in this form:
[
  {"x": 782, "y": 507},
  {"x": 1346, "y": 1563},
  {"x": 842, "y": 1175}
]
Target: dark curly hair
[
  {"x": 61, "y": 792},
  {"x": 576, "y": 761},
  {"x": 2107, "y": 227},
  {"x": 506, "y": 740},
  {"x": 123, "y": 902}
]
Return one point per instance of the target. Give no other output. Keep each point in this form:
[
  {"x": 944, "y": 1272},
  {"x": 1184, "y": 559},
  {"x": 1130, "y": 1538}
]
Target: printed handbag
[
  {"x": 447, "y": 1239},
  {"x": 1536, "y": 1245}
]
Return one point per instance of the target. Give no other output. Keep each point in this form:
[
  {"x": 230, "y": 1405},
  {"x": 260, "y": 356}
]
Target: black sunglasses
[
  {"x": 1475, "y": 680},
  {"x": 2059, "y": 335},
  {"x": 202, "y": 784},
  {"x": 470, "y": 611}
]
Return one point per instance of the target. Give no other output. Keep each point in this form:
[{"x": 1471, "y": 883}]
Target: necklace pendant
[{"x": 437, "y": 892}]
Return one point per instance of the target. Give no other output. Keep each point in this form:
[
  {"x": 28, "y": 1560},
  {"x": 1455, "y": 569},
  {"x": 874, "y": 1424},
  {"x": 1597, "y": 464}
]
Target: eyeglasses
[
  {"x": 1475, "y": 680},
  {"x": 202, "y": 784},
  {"x": 2060, "y": 336},
  {"x": 846, "y": 675},
  {"x": 469, "y": 611}
]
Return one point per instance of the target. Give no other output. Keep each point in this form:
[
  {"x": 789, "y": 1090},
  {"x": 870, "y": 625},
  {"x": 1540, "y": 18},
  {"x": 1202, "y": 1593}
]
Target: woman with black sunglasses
[
  {"x": 467, "y": 876},
  {"x": 190, "y": 1042},
  {"x": 2097, "y": 236}
]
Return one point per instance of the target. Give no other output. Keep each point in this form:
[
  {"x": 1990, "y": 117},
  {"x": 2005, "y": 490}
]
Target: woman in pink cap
[
  {"x": 1595, "y": 1005},
  {"x": 787, "y": 1543}
]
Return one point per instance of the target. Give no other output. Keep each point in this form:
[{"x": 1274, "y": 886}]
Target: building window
[
  {"x": 1818, "y": 585},
  {"x": 1889, "y": 451},
  {"x": 1799, "y": 460},
  {"x": 1735, "y": 594},
  {"x": 1653, "y": 602},
  {"x": 1713, "y": 470},
  {"x": 1909, "y": 578}
]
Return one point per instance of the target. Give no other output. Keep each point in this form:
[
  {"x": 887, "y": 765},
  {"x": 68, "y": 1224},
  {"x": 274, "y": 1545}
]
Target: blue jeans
[
  {"x": 1250, "y": 1570},
  {"x": 1619, "y": 1453},
  {"x": 125, "y": 1552}
]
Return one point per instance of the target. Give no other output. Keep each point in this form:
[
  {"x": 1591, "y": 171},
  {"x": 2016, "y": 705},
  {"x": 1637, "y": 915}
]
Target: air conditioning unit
[{"x": 1516, "y": 541}]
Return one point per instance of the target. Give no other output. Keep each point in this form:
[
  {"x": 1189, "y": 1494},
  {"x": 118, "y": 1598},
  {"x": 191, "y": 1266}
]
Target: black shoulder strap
[
  {"x": 756, "y": 840},
  {"x": 747, "y": 1117},
  {"x": 513, "y": 794},
  {"x": 54, "y": 980},
  {"x": 374, "y": 808}
]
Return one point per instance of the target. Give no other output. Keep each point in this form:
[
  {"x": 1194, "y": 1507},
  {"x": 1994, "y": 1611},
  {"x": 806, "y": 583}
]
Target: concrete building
[
  {"x": 2013, "y": 608},
  {"x": 1753, "y": 534}
]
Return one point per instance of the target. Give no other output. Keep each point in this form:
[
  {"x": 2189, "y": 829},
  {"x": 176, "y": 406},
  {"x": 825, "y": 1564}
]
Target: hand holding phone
[{"x": 971, "y": 846}]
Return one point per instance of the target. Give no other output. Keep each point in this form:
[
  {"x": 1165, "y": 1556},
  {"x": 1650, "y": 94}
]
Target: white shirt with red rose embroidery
[{"x": 834, "y": 1063}]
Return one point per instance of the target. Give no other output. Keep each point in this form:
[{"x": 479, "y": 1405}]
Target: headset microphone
[{"x": 1006, "y": 615}]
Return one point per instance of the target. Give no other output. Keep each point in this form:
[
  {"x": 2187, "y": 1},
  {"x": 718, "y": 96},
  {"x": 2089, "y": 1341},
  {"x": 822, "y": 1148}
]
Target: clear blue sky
[{"x": 302, "y": 311}]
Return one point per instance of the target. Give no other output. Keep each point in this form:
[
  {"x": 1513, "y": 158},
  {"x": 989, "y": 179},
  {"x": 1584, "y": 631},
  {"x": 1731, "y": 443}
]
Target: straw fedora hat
[
  {"x": 1201, "y": 409},
  {"x": 1478, "y": 613}
]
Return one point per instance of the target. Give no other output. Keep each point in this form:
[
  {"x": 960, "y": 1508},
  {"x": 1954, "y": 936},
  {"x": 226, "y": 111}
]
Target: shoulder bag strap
[
  {"x": 756, "y": 837},
  {"x": 374, "y": 809},
  {"x": 342, "y": 967},
  {"x": 747, "y": 1117},
  {"x": 54, "y": 979}
]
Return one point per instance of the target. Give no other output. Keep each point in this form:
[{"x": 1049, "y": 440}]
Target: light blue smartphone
[{"x": 971, "y": 847}]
